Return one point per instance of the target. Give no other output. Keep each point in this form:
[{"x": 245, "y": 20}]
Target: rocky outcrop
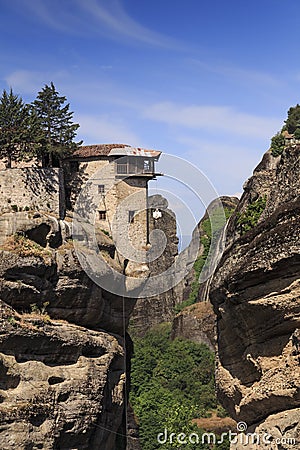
[
  {"x": 64, "y": 362},
  {"x": 133, "y": 442},
  {"x": 161, "y": 308},
  {"x": 197, "y": 324},
  {"x": 256, "y": 296},
  {"x": 57, "y": 278},
  {"x": 278, "y": 431},
  {"x": 158, "y": 308},
  {"x": 62, "y": 386}
]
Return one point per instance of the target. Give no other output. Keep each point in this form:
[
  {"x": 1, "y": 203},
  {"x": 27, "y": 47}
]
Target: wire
[{"x": 125, "y": 370}]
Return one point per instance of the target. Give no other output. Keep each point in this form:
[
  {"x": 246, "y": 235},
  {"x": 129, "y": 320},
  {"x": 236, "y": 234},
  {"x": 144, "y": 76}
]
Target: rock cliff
[
  {"x": 197, "y": 324},
  {"x": 151, "y": 311},
  {"x": 196, "y": 321},
  {"x": 158, "y": 308},
  {"x": 256, "y": 296},
  {"x": 64, "y": 351}
]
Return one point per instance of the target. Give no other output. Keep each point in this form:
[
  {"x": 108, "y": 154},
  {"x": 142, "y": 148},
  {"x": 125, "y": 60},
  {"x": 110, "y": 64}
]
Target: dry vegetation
[{"x": 23, "y": 246}]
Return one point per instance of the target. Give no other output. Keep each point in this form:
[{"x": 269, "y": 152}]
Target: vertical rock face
[
  {"x": 159, "y": 308},
  {"x": 256, "y": 296},
  {"x": 63, "y": 358},
  {"x": 196, "y": 323}
]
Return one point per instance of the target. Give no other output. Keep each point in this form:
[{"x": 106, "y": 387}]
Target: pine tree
[
  {"x": 19, "y": 129},
  {"x": 56, "y": 121},
  {"x": 292, "y": 122}
]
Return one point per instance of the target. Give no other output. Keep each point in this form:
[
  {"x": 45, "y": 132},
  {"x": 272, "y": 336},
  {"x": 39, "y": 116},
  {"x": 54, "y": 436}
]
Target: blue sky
[{"x": 208, "y": 81}]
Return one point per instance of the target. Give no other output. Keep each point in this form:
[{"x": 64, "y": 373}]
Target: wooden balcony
[{"x": 135, "y": 167}]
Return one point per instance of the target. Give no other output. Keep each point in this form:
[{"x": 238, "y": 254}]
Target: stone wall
[
  {"x": 33, "y": 162},
  {"x": 120, "y": 195},
  {"x": 32, "y": 189}
]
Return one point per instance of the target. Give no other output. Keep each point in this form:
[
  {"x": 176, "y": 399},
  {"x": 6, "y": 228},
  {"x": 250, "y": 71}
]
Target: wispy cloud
[
  {"x": 228, "y": 164},
  {"x": 238, "y": 73},
  {"x": 89, "y": 91},
  {"x": 90, "y": 17},
  {"x": 113, "y": 15},
  {"x": 217, "y": 118}
]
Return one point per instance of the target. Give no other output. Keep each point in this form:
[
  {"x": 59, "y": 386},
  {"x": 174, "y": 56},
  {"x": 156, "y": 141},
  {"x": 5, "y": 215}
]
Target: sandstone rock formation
[
  {"x": 196, "y": 323},
  {"x": 64, "y": 351},
  {"x": 256, "y": 296},
  {"x": 278, "y": 431},
  {"x": 62, "y": 386},
  {"x": 159, "y": 308}
]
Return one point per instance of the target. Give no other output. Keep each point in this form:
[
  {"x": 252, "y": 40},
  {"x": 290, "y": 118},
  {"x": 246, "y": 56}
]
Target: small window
[
  {"x": 102, "y": 215},
  {"x": 147, "y": 166},
  {"x": 101, "y": 188},
  {"x": 122, "y": 167},
  {"x": 74, "y": 166},
  {"x": 131, "y": 215}
]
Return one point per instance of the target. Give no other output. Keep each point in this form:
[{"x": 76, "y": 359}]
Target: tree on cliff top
[
  {"x": 56, "y": 121},
  {"x": 19, "y": 129},
  {"x": 292, "y": 123}
]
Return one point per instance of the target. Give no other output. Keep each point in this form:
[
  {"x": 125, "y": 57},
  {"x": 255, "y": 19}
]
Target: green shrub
[
  {"x": 11, "y": 320},
  {"x": 249, "y": 219},
  {"x": 105, "y": 232},
  {"x": 277, "y": 144},
  {"x": 172, "y": 382},
  {"x": 39, "y": 309},
  {"x": 297, "y": 133},
  {"x": 14, "y": 208},
  {"x": 293, "y": 119}
]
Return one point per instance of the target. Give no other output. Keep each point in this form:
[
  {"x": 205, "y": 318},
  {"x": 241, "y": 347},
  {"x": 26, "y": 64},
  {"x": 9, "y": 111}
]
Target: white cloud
[
  {"x": 30, "y": 82},
  {"x": 104, "y": 17},
  {"x": 113, "y": 15},
  {"x": 238, "y": 73},
  {"x": 101, "y": 129},
  {"x": 217, "y": 118}
]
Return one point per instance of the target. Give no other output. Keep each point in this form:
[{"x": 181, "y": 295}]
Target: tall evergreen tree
[
  {"x": 56, "y": 121},
  {"x": 19, "y": 129}
]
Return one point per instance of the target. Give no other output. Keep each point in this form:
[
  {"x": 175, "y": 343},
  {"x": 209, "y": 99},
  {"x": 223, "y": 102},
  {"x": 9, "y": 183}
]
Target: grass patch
[{"x": 23, "y": 246}]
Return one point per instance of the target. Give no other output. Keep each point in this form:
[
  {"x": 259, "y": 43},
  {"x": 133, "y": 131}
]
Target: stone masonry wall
[
  {"x": 32, "y": 189},
  {"x": 118, "y": 198}
]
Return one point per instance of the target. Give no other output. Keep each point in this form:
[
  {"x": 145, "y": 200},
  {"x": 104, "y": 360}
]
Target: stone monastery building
[{"x": 117, "y": 177}]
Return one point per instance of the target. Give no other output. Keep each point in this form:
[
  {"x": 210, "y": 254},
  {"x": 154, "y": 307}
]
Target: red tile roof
[
  {"x": 90, "y": 151},
  {"x": 94, "y": 151}
]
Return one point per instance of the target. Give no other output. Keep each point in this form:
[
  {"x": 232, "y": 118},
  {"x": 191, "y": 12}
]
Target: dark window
[
  {"x": 102, "y": 215},
  {"x": 101, "y": 188},
  {"x": 131, "y": 215},
  {"x": 122, "y": 167},
  {"x": 74, "y": 166}
]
